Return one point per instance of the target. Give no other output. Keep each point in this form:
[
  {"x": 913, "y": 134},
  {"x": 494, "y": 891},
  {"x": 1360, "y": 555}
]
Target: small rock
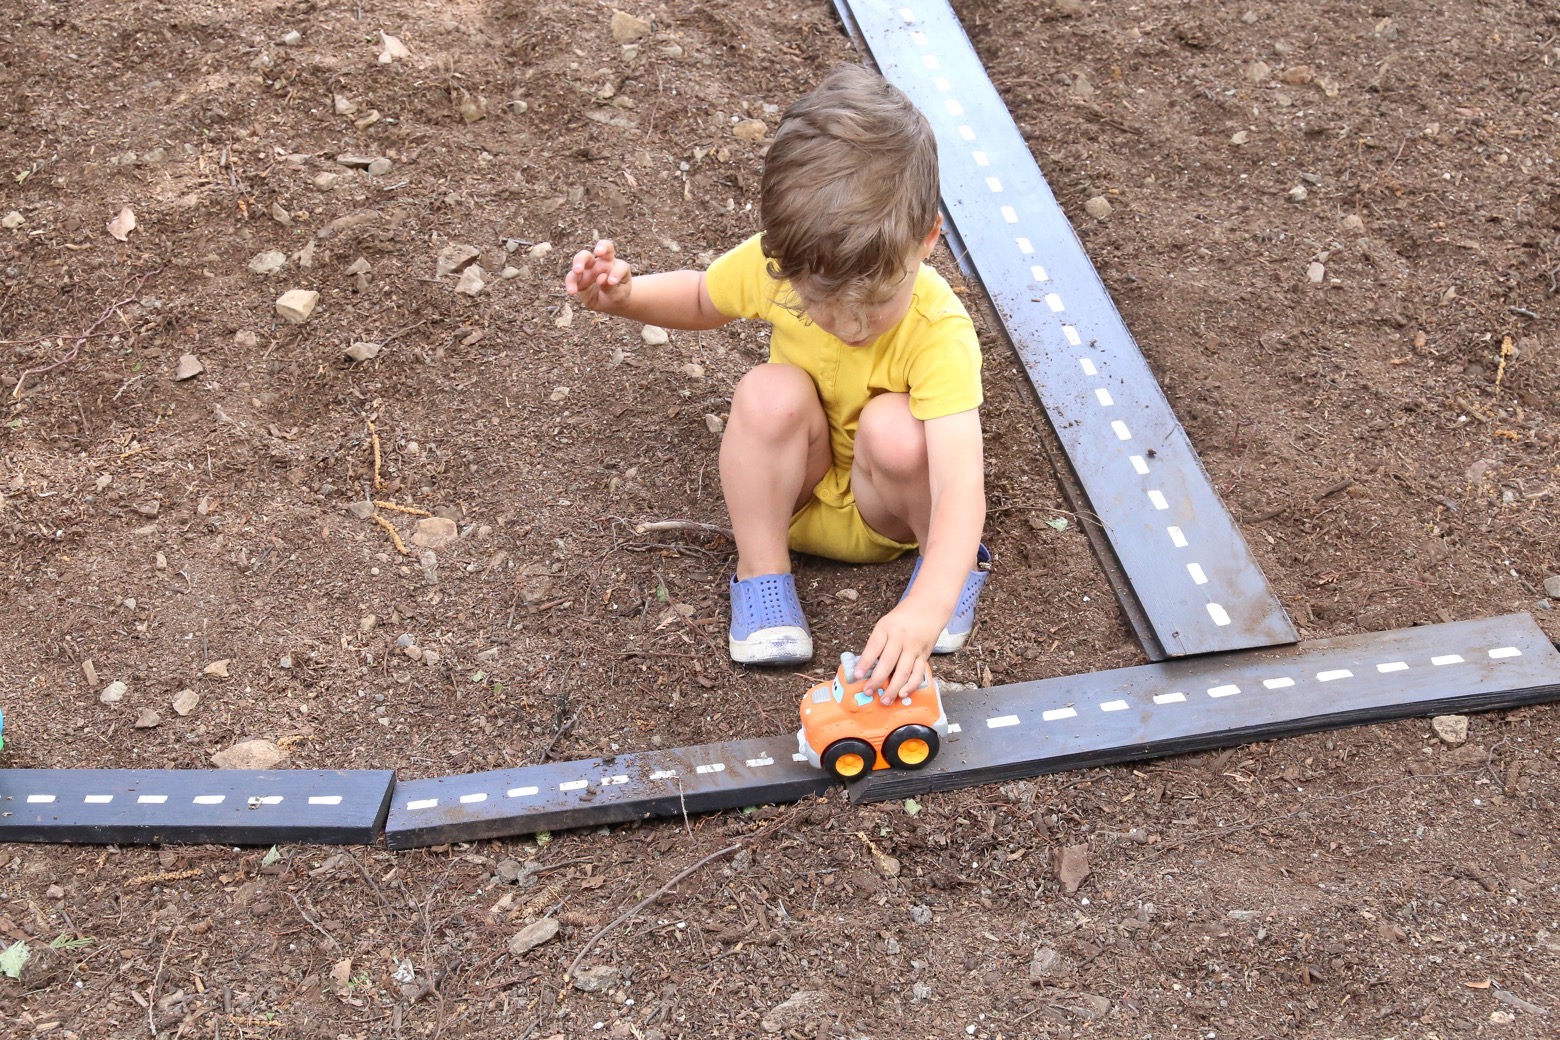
[
  {"x": 246, "y": 339},
  {"x": 393, "y": 49},
  {"x": 539, "y": 250},
  {"x": 1048, "y": 964},
  {"x": 218, "y": 669},
  {"x": 921, "y": 914},
  {"x": 1299, "y": 193},
  {"x": 1354, "y": 222},
  {"x": 361, "y": 509},
  {"x": 249, "y": 754},
  {"x": 454, "y": 258},
  {"x": 280, "y": 214},
  {"x": 1258, "y": 72},
  {"x": 356, "y": 162},
  {"x": 380, "y": 167},
  {"x": 11, "y": 221},
  {"x": 326, "y": 181},
  {"x": 344, "y": 105},
  {"x": 148, "y": 719},
  {"x": 472, "y": 281},
  {"x": 189, "y": 367},
  {"x": 1092, "y": 1005},
  {"x": 752, "y": 130},
  {"x": 1480, "y": 470},
  {"x": 714, "y": 423},
  {"x": 565, "y": 316},
  {"x": 1073, "y": 867},
  {"x": 799, "y": 1009},
  {"x": 1298, "y": 75},
  {"x": 654, "y": 335},
  {"x": 559, "y": 393},
  {"x": 1552, "y": 586},
  {"x": 1240, "y": 137},
  {"x": 532, "y": 936},
  {"x": 268, "y": 262},
  {"x": 363, "y": 350},
  {"x": 366, "y": 120},
  {"x": 1315, "y": 272},
  {"x": 295, "y": 305},
  {"x": 595, "y": 979},
  {"x": 1452, "y": 729},
  {"x": 54, "y": 892},
  {"x": 848, "y": 595},
  {"x": 1097, "y": 207},
  {"x": 367, "y": 623},
  {"x": 121, "y": 226},
  {"x": 292, "y": 39},
  {"x": 509, "y": 272},
  {"x": 434, "y": 532},
  {"x": 472, "y": 110},
  {"x": 627, "y": 28},
  {"x": 185, "y": 701},
  {"x": 113, "y": 693},
  {"x": 160, "y": 562}
]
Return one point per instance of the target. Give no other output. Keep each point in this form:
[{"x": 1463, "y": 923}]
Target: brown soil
[{"x": 1369, "y": 882}]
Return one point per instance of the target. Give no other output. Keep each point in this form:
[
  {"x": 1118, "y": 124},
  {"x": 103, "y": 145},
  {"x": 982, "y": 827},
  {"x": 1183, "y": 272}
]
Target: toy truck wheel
[
  {"x": 849, "y": 759},
  {"x": 910, "y": 747}
]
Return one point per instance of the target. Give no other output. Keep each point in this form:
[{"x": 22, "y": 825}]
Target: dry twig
[
  {"x": 409, "y": 510},
  {"x": 92, "y": 330},
  {"x": 395, "y": 536},
  {"x": 646, "y": 901}
]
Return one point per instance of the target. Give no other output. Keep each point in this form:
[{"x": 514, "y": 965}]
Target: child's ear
[{"x": 930, "y": 243}]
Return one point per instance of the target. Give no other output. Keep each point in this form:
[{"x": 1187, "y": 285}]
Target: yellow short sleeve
[{"x": 739, "y": 284}]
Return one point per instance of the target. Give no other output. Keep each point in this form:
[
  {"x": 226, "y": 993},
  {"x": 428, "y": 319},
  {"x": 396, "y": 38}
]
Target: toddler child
[{"x": 860, "y": 439}]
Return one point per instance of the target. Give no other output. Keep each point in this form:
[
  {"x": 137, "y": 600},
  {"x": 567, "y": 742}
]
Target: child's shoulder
[{"x": 935, "y": 304}]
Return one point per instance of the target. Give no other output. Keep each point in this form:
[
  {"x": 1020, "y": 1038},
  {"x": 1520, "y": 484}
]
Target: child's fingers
[{"x": 606, "y": 251}]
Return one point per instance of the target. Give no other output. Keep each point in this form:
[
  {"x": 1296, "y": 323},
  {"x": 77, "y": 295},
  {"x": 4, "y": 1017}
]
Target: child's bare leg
[
  {"x": 774, "y": 451},
  {"x": 889, "y": 477}
]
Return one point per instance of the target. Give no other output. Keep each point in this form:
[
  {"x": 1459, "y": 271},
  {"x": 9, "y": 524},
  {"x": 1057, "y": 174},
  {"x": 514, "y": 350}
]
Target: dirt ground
[{"x": 1335, "y": 231}]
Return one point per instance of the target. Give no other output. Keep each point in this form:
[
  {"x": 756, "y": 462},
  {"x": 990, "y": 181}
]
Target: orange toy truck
[{"x": 849, "y": 731}]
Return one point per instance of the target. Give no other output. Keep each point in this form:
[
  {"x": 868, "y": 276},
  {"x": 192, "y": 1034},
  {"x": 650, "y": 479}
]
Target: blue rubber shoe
[
  {"x": 767, "y": 624},
  {"x": 957, "y": 632}
]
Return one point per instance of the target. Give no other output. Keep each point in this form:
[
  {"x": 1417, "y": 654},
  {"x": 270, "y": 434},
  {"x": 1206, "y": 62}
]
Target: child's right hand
[{"x": 599, "y": 278}]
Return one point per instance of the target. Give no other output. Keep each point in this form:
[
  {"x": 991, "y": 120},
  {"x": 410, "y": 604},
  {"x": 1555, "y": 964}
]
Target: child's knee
[
  {"x": 889, "y": 439},
  {"x": 775, "y": 397}
]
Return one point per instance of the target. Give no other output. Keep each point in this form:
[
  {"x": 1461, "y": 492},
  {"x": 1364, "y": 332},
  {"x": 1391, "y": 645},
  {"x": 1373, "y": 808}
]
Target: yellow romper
[{"x": 932, "y": 355}]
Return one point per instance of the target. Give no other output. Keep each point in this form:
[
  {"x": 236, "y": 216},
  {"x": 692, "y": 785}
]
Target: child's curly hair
[{"x": 849, "y": 190}]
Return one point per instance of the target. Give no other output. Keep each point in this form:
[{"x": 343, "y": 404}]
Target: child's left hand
[{"x": 901, "y": 644}]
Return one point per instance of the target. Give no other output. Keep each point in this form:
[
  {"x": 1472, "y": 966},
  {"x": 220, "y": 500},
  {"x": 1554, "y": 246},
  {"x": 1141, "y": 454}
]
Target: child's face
[{"x": 858, "y": 327}]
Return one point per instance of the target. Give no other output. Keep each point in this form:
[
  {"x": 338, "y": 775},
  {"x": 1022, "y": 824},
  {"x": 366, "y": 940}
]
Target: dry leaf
[{"x": 121, "y": 226}]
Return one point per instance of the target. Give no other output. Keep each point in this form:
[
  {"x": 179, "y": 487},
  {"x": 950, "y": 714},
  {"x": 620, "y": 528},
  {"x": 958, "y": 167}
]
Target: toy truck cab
[{"x": 849, "y": 731}]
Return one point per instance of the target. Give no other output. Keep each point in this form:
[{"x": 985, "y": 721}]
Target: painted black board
[
  {"x": 193, "y": 806},
  {"x": 560, "y": 795},
  {"x": 1168, "y": 708},
  {"x": 1187, "y": 569}
]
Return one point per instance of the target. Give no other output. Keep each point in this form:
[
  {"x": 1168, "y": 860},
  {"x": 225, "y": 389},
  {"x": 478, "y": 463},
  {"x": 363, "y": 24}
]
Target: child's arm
[
  {"x": 901, "y": 643},
  {"x": 674, "y": 300}
]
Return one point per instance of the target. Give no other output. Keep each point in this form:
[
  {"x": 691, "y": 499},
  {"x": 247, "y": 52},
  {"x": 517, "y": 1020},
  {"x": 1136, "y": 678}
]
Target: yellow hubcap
[
  {"x": 914, "y": 751},
  {"x": 850, "y": 765}
]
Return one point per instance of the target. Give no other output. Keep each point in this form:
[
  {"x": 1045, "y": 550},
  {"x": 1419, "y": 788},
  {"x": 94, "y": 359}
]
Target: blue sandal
[
  {"x": 957, "y": 632},
  {"x": 767, "y": 623}
]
